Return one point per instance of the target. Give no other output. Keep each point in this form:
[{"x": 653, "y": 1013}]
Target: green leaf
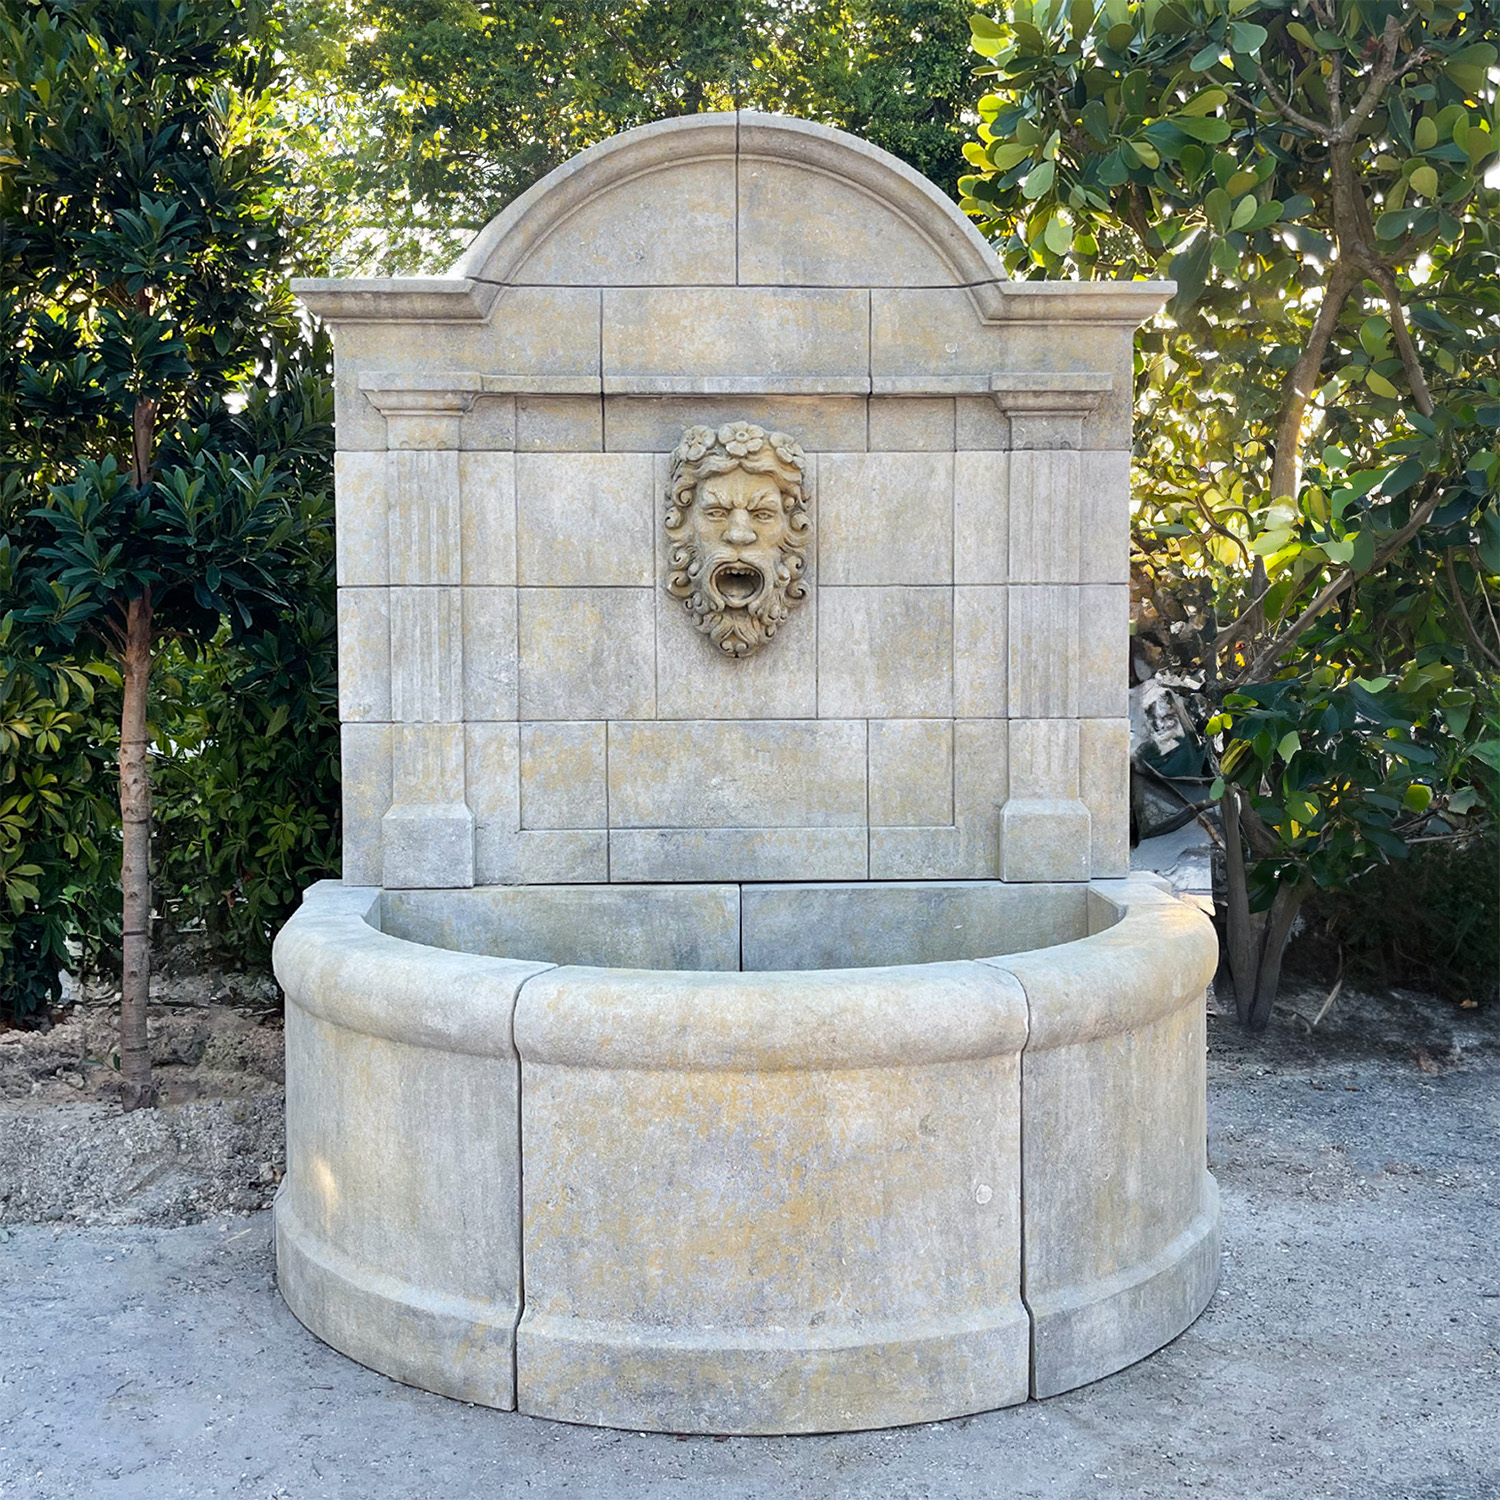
[
  {"x": 1425, "y": 180},
  {"x": 1290, "y": 744},
  {"x": 1374, "y": 334},
  {"x": 1418, "y": 797},
  {"x": 1120, "y": 37},
  {"x": 1297, "y": 30},
  {"x": 1246, "y": 36},
  {"x": 1211, "y": 130},
  {"x": 1272, "y": 541},
  {"x": 1380, "y": 385},
  {"x": 1057, "y": 236},
  {"x": 1425, "y": 136},
  {"x": 1403, "y": 476},
  {"x": 1038, "y": 180},
  {"x": 1206, "y": 57},
  {"x": 1244, "y": 211},
  {"x": 1489, "y": 752},
  {"x": 1338, "y": 551},
  {"x": 1469, "y": 66},
  {"x": 1147, "y": 153},
  {"x": 1005, "y": 155}
]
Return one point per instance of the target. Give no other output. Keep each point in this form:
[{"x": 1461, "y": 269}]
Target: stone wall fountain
[{"x": 735, "y": 1015}]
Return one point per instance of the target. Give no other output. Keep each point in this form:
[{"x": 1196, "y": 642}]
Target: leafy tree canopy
[
  {"x": 1317, "y": 455},
  {"x": 442, "y": 111}
]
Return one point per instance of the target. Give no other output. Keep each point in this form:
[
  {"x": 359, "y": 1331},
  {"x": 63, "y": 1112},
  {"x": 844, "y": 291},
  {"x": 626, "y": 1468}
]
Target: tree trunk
[
  {"x": 135, "y": 859},
  {"x": 1256, "y": 940}
]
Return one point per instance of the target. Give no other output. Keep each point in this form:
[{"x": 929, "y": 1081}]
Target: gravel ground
[{"x": 1353, "y": 1349}]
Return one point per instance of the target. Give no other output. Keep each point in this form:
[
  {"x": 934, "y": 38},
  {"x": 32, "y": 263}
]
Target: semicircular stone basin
[{"x": 747, "y": 1158}]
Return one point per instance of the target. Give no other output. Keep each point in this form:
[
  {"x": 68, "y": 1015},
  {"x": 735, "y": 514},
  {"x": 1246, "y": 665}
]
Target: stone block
[
  {"x": 563, "y": 777},
  {"x": 655, "y": 424},
  {"x": 790, "y": 927},
  {"x": 979, "y": 425},
  {"x": 358, "y": 427},
  {"x": 492, "y": 789},
  {"x": 587, "y": 653},
  {"x": 892, "y": 1143},
  {"x": 980, "y": 654},
  {"x": 1104, "y": 517},
  {"x": 489, "y": 425},
  {"x": 427, "y": 844},
  {"x": 487, "y": 518},
  {"x": 695, "y": 680},
  {"x": 911, "y": 424},
  {"x": 427, "y": 764},
  {"x": 359, "y": 486},
  {"x": 707, "y": 854},
  {"x": 489, "y": 653},
  {"x": 911, "y": 773},
  {"x": 934, "y": 331},
  {"x": 835, "y": 223},
  {"x": 685, "y": 331},
  {"x": 666, "y": 228},
  {"x": 1042, "y": 758},
  {"x": 1121, "y": 1226},
  {"x": 1046, "y": 345},
  {"x": 885, "y": 653},
  {"x": 1104, "y": 787},
  {"x": 364, "y": 654},
  {"x": 968, "y": 850},
  {"x": 1044, "y": 838},
  {"x": 1103, "y": 650},
  {"x": 559, "y": 424},
  {"x": 1044, "y": 517},
  {"x": 365, "y": 757},
  {"x": 1043, "y": 647},
  {"x": 539, "y": 330},
  {"x": 609, "y": 926},
  {"x": 981, "y": 517},
  {"x": 885, "y": 518},
  {"x": 567, "y": 856},
  {"x": 779, "y": 773},
  {"x": 585, "y": 520},
  {"x": 427, "y": 668},
  {"x": 397, "y": 1143},
  {"x": 425, "y": 530}
]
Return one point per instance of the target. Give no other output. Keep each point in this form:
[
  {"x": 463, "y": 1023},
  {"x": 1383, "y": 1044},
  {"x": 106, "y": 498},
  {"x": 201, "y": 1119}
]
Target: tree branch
[
  {"x": 1463, "y": 611},
  {"x": 1302, "y": 378},
  {"x": 1381, "y": 79},
  {"x": 1268, "y": 656},
  {"x": 1383, "y": 277},
  {"x": 1306, "y": 122}
]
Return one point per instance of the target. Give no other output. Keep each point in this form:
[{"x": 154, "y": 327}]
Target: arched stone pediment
[{"x": 726, "y": 199}]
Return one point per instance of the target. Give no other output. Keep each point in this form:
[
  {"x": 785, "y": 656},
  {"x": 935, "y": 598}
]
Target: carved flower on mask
[
  {"x": 789, "y": 451},
  {"x": 738, "y": 523},
  {"x": 741, "y": 439}
]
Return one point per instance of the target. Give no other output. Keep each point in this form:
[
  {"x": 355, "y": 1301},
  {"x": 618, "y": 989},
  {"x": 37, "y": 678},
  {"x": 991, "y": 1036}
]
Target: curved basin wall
[{"x": 793, "y": 1200}]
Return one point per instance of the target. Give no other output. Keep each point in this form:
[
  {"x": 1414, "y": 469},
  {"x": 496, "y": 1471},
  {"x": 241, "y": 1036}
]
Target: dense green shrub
[
  {"x": 1447, "y": 938},
  {"x": 246, "y": 738}
]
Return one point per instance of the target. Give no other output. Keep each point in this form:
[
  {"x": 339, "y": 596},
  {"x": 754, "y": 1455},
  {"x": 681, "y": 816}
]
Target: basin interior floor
[{"x": 1353, "y": 1349}]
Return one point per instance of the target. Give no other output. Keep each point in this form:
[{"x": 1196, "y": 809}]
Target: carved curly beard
[{"x": 736, "y": 601}]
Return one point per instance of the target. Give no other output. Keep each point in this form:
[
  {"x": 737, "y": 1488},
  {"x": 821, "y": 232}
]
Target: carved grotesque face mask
[{"x": 737, "y": 519}]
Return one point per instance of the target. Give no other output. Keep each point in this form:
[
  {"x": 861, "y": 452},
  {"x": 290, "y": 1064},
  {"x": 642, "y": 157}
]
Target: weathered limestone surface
[
  {"x": 839, "y": 1250},
  {"x": 502, "y": 482},
  {"x": 778, "y": 1199}
]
